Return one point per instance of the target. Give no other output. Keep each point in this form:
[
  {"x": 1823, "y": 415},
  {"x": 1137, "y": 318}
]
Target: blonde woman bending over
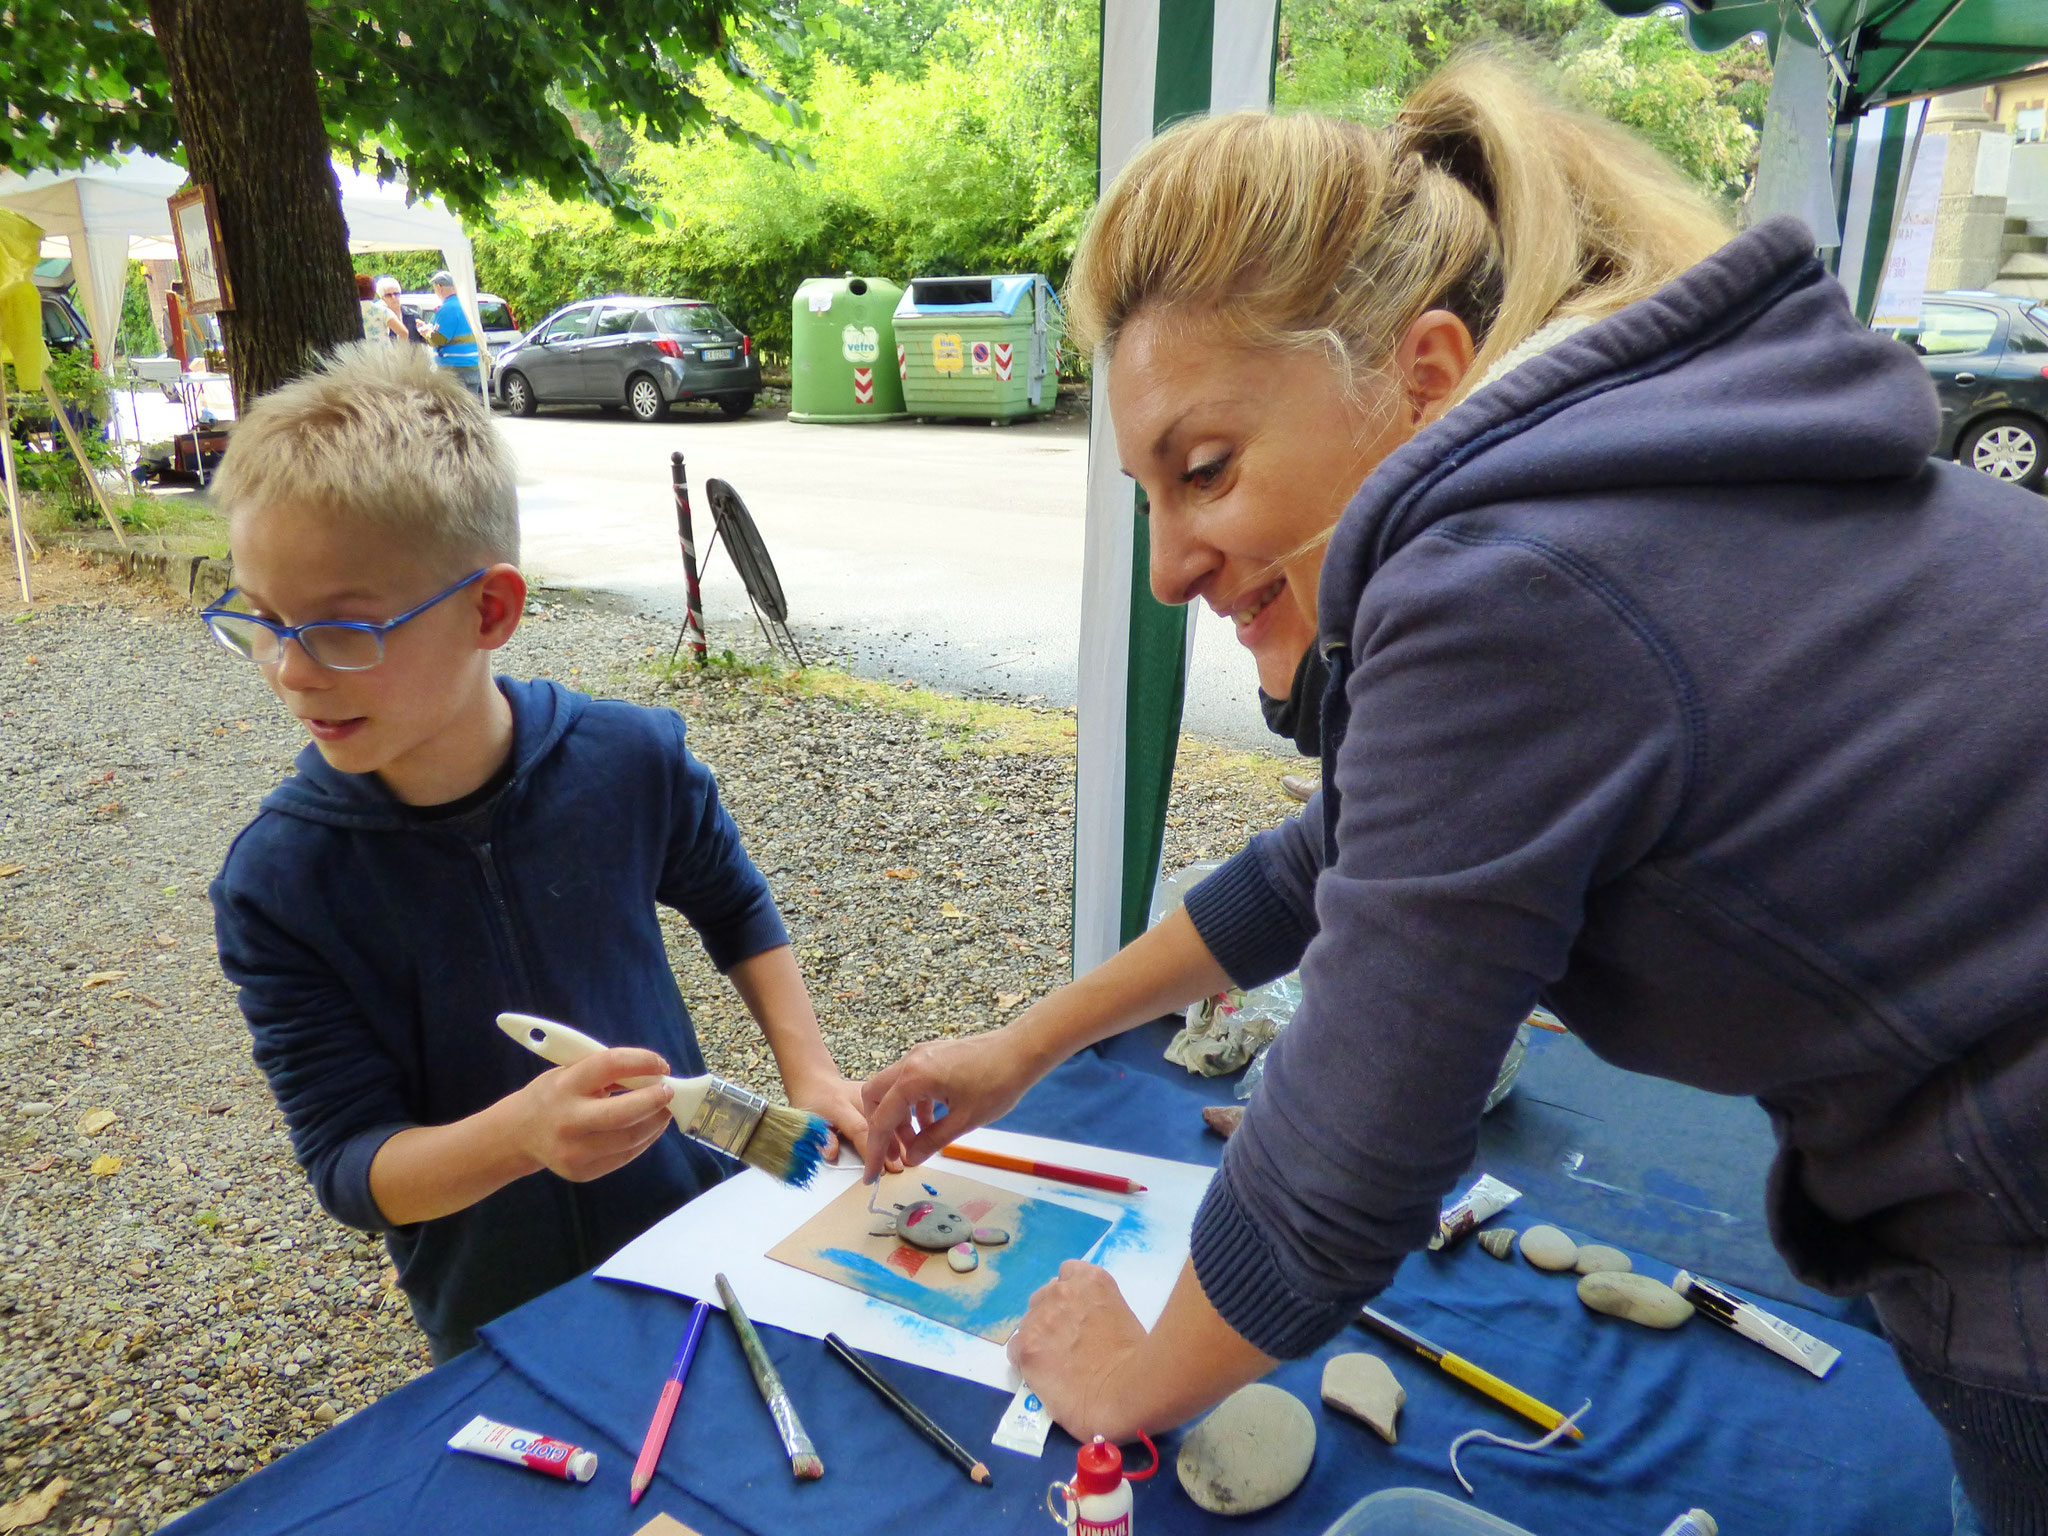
[{"x": 1669, "y": 683}]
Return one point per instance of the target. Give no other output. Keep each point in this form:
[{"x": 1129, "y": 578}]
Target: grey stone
[
  {"x": 963, "y": 1257},
  {"x": 1596, "y": 1258},
  {"x": 1363, "y": 1386},
  {"x": 1548, "y": 1248},
  {"x": 1250, "y": 1452},
  {"x": 1637, "y": 1298},
  {"x": 1498, "y": 1241}
]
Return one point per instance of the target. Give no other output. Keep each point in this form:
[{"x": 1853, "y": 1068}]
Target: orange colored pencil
[{"x": 1114, "y": 1183}]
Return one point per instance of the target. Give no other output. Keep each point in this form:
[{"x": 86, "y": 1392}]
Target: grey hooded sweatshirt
[{"x": 1675, "y": 687}]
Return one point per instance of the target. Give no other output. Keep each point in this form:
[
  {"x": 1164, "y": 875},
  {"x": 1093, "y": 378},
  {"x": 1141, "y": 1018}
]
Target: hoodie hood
[
  {"x": 542, "y": 713},
  {"x": 1748, "y": 368}
]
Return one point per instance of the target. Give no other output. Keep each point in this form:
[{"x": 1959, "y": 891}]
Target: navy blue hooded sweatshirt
[
  {"x": 1673, "y": 686},
  {"x": 374, "y": 951}
]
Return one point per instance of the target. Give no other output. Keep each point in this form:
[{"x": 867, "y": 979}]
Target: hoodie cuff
[
  {"x": 344, "y": 1188},
  {"x": 1248, "y": 925},
  {"x": 1241, "y": 1275}
]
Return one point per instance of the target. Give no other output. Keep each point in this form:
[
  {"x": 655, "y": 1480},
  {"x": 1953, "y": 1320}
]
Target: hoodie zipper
[
  {"x": 489, "y": 864},
  {"x": 504, "y": 910}
]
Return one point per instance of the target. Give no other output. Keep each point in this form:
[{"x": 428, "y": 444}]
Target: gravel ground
[{"x": 175, "y": 1309}]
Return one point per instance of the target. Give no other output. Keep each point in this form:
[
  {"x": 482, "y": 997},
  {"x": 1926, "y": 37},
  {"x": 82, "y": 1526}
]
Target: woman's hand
[
  {"x": 1078, "y": 1347},
  {"x": 1092, "y": 1363},
  {"x": 978, "y": 1079}
]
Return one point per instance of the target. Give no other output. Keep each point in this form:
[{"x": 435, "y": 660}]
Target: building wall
[{"x": 2020, "y": 107}]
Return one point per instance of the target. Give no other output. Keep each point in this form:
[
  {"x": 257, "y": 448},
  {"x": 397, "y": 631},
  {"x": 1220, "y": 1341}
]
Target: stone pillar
[{"x": 1969, "y": 225}]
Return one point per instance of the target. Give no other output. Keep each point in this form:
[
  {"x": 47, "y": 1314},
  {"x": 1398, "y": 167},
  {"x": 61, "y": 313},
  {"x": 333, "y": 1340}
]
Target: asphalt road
[{"x": 949, "y": 554}]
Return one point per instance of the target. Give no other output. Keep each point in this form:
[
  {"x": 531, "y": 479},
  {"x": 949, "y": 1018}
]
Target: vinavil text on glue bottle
[{"x": 1098, "y": 1500}]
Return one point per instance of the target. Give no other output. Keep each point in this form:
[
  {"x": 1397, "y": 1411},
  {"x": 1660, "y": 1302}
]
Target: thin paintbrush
[
  {"x": 803, "y": 1456},
  {"x": 786, "y": 1143}
]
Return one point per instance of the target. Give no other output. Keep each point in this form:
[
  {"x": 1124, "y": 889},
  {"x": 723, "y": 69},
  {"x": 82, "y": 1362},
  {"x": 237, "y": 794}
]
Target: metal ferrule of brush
[{"x": 727, "y": 1117}]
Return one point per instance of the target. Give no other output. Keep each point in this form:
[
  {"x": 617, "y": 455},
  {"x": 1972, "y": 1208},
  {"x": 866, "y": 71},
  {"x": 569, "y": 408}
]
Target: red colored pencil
[
  {"x": 665, "y": 1410},
  {"x": 1115, "y": 1183}
]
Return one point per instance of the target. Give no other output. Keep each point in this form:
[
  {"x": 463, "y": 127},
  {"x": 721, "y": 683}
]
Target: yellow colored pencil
[{"x": 1464, "y": 1370}]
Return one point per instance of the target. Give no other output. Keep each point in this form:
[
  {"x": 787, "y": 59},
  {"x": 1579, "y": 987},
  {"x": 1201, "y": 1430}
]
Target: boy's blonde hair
[
  {"x": 379, "y": 432},
  {"x": 1484, "y": 197}
]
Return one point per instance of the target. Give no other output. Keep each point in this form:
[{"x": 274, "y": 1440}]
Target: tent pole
[
  {"x": 13, "y": 496},
  {"x": 99, "y": 493}
]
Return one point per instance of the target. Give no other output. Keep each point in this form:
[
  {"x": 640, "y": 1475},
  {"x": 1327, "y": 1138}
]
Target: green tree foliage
[
  {"x": 976, "y": 155},
  {"x": 1358, "y": 58},
  {"x": 462, "y": 98}
]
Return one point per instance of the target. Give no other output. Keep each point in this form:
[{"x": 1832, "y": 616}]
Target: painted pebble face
[{"x": 937, "y": 1227}]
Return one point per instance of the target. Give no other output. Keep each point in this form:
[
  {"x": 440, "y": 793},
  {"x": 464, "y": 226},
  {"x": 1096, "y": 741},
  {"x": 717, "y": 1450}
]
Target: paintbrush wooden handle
[{"x": 565, "y": 1046}]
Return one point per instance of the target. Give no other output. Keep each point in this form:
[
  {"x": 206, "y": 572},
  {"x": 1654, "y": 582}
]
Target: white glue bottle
[{"x": 1098, "y": 1500}]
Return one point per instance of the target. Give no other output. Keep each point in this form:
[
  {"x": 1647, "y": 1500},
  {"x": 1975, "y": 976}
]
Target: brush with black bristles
[{"x": 785, "y": 1143}]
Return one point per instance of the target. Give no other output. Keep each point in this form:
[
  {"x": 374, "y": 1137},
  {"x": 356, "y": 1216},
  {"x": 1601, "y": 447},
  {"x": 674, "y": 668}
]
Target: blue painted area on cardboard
[
  {"x": 1044, "y": 1236},
  {"x": 1130, "y": 1233}
]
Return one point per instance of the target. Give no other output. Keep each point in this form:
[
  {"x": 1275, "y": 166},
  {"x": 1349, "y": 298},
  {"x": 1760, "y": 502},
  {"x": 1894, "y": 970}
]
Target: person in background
[
  {"x": 394, "y": 324},
  {"x": 453, "y": 341}
]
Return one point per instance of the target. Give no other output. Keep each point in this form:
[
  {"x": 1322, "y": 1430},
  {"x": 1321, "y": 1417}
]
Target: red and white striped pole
[{"x": 693, "y": 624}]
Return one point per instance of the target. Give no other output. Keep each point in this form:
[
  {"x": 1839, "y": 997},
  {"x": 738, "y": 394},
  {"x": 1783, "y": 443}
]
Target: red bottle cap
[{"x": 1099, "y": 1468}]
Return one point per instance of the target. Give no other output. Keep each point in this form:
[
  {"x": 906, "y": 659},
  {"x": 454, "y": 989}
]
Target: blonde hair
[
  {"x": 1484, "y": 197},
  {"x": 379, "y": 433}
]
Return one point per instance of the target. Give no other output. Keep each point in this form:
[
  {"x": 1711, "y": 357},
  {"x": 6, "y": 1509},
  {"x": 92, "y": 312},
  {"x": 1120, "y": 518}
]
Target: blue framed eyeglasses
[{"x": 340, "y": 645}]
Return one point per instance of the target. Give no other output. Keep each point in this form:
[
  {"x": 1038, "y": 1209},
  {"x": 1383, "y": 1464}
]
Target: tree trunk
[{"x": 241, "y": 74}]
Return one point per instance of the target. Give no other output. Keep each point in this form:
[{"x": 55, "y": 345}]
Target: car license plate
[{"x": 716, "y": 354}]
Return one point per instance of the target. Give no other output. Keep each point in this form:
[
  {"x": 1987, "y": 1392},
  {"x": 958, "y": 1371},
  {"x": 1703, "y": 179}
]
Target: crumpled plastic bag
[
  {"x": 1225, "y": 1031},
  {"x": 1234, "y": 1028}
]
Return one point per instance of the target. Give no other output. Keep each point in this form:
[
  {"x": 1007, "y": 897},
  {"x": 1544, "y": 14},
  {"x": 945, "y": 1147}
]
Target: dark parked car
[
  {"x": 1988, "y": 355},
  {"x": 645, "y": 354},
  {"x": 64, "y": 327}
]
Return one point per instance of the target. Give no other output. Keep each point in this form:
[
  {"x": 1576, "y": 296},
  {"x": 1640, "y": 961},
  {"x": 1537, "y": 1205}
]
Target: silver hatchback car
[{"x": 645, "y": 354}]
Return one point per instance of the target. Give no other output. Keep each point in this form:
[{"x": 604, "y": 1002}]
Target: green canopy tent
[
  {"x": 1874, "y": 62},
  {"x": 1880, "y": 51}
]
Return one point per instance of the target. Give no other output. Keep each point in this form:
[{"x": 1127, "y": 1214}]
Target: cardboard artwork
[
  {"x": 665, "y": 1525},
  {"x": 987, "y": 1301}
]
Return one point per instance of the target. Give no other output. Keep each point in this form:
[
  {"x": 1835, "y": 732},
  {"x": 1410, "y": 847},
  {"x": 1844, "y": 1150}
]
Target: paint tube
[
  {"x": 523, "y": 1448},
  {"x": 1478, "y": 1205},
  {"x": 1757, "y": 1325}
]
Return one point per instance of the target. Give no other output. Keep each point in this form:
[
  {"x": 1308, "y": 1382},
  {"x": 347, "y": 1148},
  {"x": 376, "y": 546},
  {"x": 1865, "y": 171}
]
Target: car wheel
[
  {"x": 735, "y": 406},
  {"x": 644, "y": 399},
  {"x": 519, "y": 395},
  {"x": 2009, "y": 448}
]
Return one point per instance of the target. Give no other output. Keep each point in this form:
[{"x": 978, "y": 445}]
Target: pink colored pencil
[
  {"x": 1115, "y": 1183},
  {"x": 665, "y": 1410}
]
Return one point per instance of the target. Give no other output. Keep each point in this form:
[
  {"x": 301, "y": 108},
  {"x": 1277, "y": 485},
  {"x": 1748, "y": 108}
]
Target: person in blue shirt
[
  {"x": 454, "y": 845},
  {"x": 453, "y": 337}
]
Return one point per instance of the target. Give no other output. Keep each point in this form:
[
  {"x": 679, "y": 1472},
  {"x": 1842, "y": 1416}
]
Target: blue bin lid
[{"x": 967, "y": 295}]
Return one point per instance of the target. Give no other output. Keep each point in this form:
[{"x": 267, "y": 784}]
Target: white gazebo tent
[{"x": 112, "y": 211}]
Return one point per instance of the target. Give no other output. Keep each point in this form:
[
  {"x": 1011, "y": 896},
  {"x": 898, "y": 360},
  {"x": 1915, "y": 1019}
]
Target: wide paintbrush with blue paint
[{"x": 785, "y": 1143}]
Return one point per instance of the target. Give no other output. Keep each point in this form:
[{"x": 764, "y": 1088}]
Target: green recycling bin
[
  {"x": 984, "y": 348},
  {"x": 842, "y": 350}
]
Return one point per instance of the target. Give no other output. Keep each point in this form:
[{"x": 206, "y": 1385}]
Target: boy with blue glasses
[{"x": 455, "y": 845}]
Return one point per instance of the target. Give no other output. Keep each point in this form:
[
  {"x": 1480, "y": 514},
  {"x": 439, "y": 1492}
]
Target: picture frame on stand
[{"x": 195, "y": 221}]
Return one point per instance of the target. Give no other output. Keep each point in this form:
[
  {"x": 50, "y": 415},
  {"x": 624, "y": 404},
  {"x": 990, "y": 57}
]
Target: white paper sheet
[{"x": 730, "y": 1229}]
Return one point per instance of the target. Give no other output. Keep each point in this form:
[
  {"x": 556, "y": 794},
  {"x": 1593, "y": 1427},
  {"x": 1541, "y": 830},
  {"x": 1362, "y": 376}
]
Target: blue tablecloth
[{"x": 1693, "y": 1417}]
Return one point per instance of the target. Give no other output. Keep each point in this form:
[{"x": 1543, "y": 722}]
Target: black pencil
[{"x": 903, "y": 1405}]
